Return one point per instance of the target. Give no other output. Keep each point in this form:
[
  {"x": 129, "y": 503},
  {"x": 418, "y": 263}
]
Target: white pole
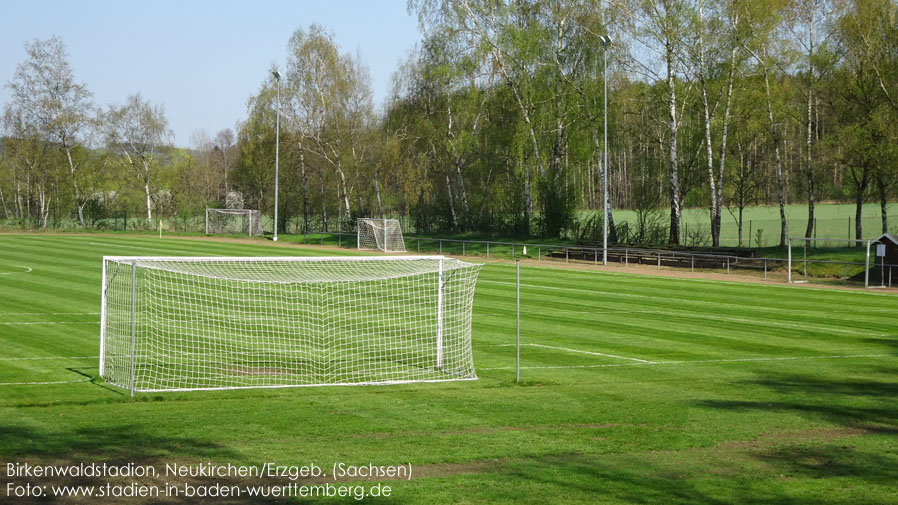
[
  {"x": 133, "y": 319},
  {"x": 789, "y": 266},
  {"x": 440, "y": 317},
  {"x": 605, "y": 162},
  {"x": 867, "y": 267},
  {"x": 517, "y": 366},
  {"x": 277, "y": 142},
  {"x": 103, "y": 318},
  {"x": 207, "y": 220}
]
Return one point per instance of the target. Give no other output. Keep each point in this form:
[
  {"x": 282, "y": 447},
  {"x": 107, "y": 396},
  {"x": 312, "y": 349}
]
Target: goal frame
[
  {"x": 249, "y": 216},
  {"x": 384, "y": 222},
  {"x": 133, "y": 261},
  {"x": 807, "y": 240}
]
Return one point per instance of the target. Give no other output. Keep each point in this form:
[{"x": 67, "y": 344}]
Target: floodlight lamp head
[
  {"x": 605, "y": 40},
  {"x": 276, "y": 74}
]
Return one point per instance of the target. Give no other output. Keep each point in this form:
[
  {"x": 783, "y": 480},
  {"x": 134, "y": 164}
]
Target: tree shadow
[
  {"x": 119, "y": 445},
  {"x": 858, "y": 403},
  {"x": 857, "y": 407}
]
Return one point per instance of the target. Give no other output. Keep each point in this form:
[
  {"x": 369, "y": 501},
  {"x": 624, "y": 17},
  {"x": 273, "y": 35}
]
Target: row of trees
[
  {"x": 64, "y": 154},
  {"x": 495, "y": 122}
]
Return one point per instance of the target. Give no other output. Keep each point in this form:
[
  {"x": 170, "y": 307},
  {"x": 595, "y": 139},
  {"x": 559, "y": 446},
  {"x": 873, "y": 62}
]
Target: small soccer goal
[
  {"x": 185, "y": 323},
  {"x": 380, "y": 234},
  {"x": 234, "y": 222},
  {"x": 854, "y": 258}
]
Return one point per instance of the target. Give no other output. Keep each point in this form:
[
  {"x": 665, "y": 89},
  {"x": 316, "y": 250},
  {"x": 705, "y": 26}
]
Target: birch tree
[
  {"x": 137, "y": 132},
  {"x": 53, "y": 105},
  {"x": 755, "y": 28}
]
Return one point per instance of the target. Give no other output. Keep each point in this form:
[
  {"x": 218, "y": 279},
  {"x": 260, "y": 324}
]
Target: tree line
[{"x": 495, "y": 123}]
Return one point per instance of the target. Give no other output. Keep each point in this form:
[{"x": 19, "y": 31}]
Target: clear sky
[{"x": 201, "y": 59}]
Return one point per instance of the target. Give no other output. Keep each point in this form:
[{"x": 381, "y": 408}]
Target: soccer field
[{"x": 635, "y": 389}]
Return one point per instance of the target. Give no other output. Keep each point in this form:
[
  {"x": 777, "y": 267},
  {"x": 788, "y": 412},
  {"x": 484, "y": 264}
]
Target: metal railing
[{"x": 660, "y": 258}]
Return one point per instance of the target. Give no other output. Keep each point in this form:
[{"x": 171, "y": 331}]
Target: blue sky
[{"x": 200, "y": 59}]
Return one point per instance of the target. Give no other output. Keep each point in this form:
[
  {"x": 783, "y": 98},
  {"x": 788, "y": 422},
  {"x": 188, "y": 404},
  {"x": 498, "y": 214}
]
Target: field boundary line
[
  {"x": 699, "y": 361},
  {"x": 42, "y": 383},
  {"x": 49, "y": 358},
  {"x": 593, "y": 353},
  {"x": 49, "y": 322},
  {"x": 49, "y": 313}
]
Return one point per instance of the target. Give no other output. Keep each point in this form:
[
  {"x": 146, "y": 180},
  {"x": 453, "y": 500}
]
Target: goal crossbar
[
  {"x": 224, "y": 221},
  {"x": 379, "y": 234},
  {"x": 189, "y": 323}
]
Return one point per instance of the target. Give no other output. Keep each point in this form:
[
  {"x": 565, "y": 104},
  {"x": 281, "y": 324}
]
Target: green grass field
[
  {"x": 635, "y": 389},
  {"x": 834, "y": 220}
]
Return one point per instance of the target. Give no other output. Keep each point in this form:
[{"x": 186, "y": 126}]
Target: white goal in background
[
  {"x": 234, "y": 222},
  {"x": 380, "y": 234},
  {"x": 812, "y": 242},
  {"x": 185, "y": 323}
]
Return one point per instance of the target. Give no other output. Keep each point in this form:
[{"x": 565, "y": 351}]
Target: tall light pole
[
  {"x": 277, "y": 145},
  {"x": 605, "y": 41}
]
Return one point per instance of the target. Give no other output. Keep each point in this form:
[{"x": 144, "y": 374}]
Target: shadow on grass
[
  {"x": 787, "y": 476},
  {"x": 120, "y": 446},
  {"x": 851, "y": 402},
  {"x": 862, "y": 449}
]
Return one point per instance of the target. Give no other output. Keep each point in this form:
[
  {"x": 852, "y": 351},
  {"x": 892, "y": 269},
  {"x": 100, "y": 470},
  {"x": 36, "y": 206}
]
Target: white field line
[
  {"x": 50, "y": 314},
  {"x": 151, "y": 248},
  {"x": 566, "y": 349},
  {"x": 49, "y": 358},
  {"x": 27, "y": 269},
  {"x": 698, "y": 361},
  {"x": 50, "y": 322},
  {"x": 688, "y": 313},
  {"x": 42, "y": 383},
  {"x": 723, "y": 281}
]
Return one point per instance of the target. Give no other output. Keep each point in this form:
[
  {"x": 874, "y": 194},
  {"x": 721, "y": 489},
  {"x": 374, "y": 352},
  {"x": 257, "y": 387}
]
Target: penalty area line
[
  {"x": 697, "y": 362},
  {"x": 592, "y": 353}
]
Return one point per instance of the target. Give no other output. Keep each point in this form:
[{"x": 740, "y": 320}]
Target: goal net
[
  {"x": 234, "y": 222},
  {"x": 381, "y": 234},
  {"x": 176, "y": 324}
]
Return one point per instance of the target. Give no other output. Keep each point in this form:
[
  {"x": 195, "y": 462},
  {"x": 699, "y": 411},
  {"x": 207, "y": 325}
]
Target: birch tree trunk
[
  {"x": 673, "y": 175},
  {"x": 808, "y": 166},
  {"x": 706, "y": 109}
]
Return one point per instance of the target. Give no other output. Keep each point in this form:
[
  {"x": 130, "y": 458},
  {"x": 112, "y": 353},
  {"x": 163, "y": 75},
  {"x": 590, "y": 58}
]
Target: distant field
[
  {"x": 833, "y": 220},
  {"x": 636, "y": 389}
]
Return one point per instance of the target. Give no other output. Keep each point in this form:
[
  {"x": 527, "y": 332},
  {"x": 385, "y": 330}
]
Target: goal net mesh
[
  {"x": 234, "y": 222},
  {"x": 221, "y": 323},
  {"x": 380, "y": 234}
]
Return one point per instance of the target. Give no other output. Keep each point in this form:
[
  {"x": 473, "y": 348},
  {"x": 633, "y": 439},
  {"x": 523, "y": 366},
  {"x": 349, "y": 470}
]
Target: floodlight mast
[
  {"x": 605, "y": 41},
  {"x": 277, "y": 142}
]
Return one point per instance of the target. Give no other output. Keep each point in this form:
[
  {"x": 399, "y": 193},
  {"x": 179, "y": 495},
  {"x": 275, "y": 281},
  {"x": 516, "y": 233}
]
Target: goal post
[
  {"x": 234, "y": 222},
  {"x": 380, "y": 234},
  {"x": 812, "y": 242},
  {"x": 187, "y": 323}
]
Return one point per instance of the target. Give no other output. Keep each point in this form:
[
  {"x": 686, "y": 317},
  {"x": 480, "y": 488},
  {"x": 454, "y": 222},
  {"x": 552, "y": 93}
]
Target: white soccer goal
[
  {"x": 812, "y": 242},
  {"x": 381, "y": 234},
  {"x": 177, "y": 324},
  {"x": 234, "y": 222}
]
